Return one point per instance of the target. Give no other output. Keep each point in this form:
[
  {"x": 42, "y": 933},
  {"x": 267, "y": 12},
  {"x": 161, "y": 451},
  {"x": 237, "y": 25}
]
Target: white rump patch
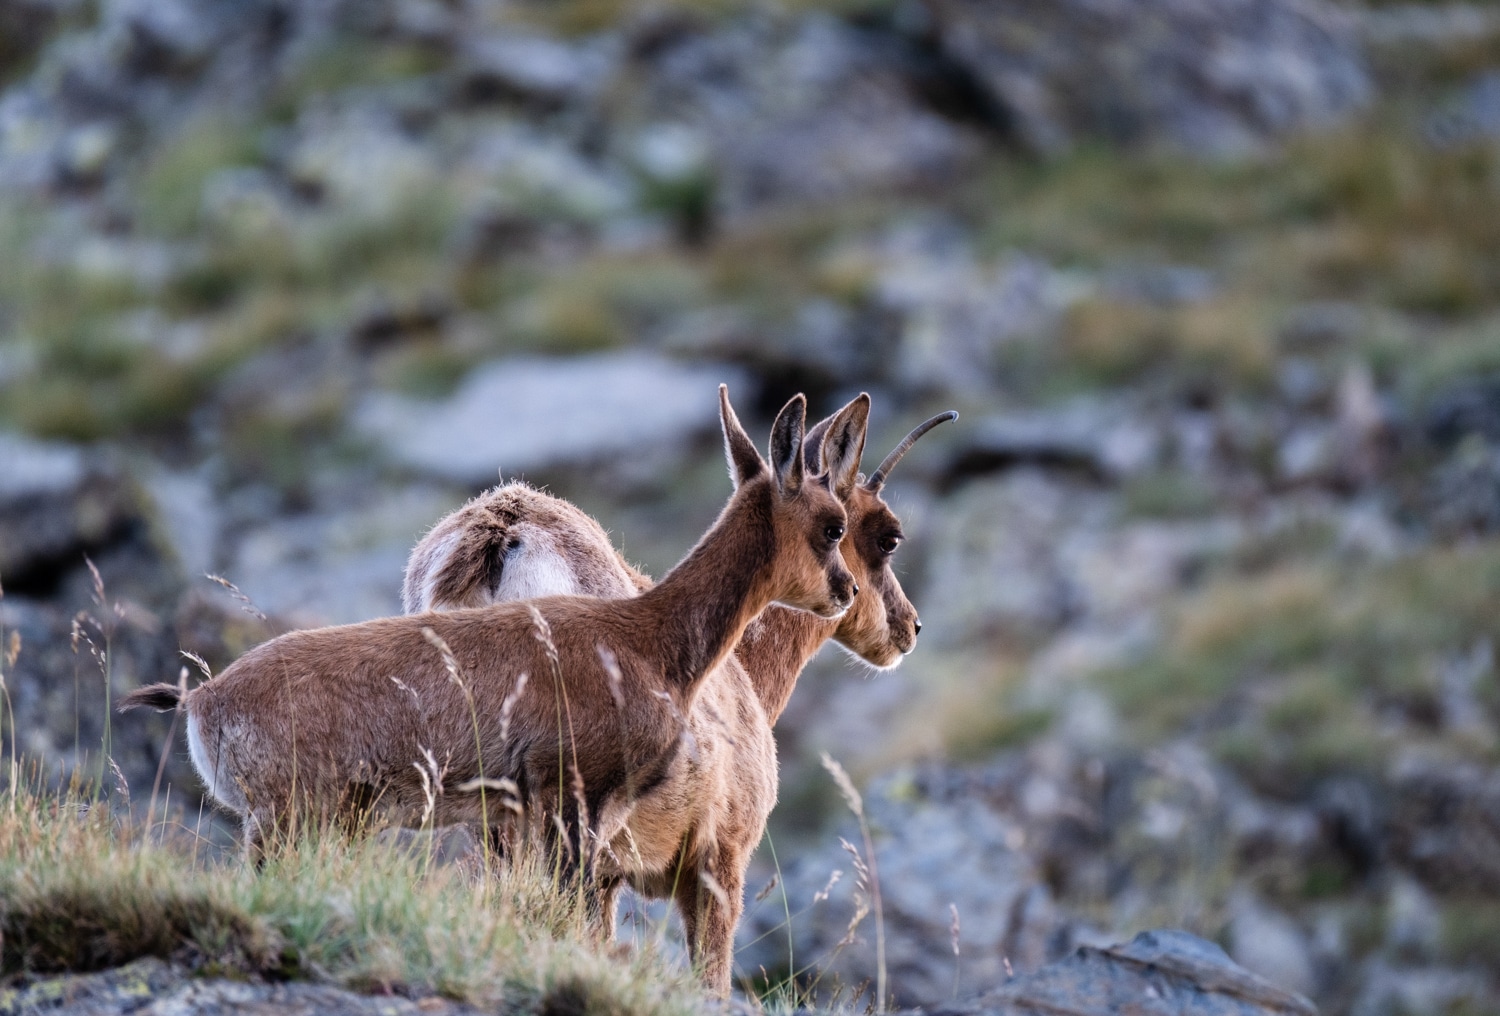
[
  {"x": 212, "y": 769},
  {"x": 535, "y": 567}
]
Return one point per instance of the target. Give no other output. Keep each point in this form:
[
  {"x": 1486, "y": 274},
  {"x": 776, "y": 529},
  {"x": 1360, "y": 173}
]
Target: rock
[
  {"x": 1391, "y": 990},
  {"x": 989, "y": 582},
  {"x": 152, "y": 987},
  {"x": 1473, "y": 116},
  {"x": 1096, "y": 440},
  {"x": 618, "y": 410},
  {"x": 1403, "y": 28},
  {"x": 1444, "y": 824},
  {"x": 1414, "y": 923},
  {"x": 336, "y": 566},
  {"x": 1462, "y": 495},
  {"x": 934, "y": 857},
  {"x": 1269, "y": 943},
  {"x": 1158, "y": 973},
  {"x": 798, "y": 110},
  {"x": 359, "y": 159},
  {"x": 56, "y": 504},
  {"x": 1017, "y": 557},
  {"x": 827, "y": 347},
  {"x": 531, "y": 68},
  {"x": 1468, "y": 407},
  {"x": 1214, "y": 77},
  {"x": 532, "y": 174},
  {"x": 960, "y": 315}
]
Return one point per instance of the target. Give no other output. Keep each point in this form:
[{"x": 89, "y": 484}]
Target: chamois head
[
  {"x": 882, "y": 625},
  {"x": 808, "y": 517}
]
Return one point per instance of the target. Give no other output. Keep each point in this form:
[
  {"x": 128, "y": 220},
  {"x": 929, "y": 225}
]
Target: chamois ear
[
  {"x": 745, "y": 462},
  {"x": 786, "y": 445},
  {"x": 844, "y": 443}
]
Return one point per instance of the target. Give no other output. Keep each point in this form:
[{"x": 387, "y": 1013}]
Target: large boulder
[
  {"x": 526, "y": 414},
  {"x": 1210, "y": 76},
  {"x": 1157, "y": 973}
]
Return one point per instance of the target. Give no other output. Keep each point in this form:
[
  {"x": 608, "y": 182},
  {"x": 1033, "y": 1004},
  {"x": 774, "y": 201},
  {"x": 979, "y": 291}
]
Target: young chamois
[
  {"x": 706, "y": 818},
  {"x": 338, "y": 720}
]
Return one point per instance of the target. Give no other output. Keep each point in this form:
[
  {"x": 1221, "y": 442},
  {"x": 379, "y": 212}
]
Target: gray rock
[
  {"x": 1444, "y": 823},
  {"x": 934, "y": 857},
  {"x": 1098, "y": 440},
  {"x": 1473, "y": 116},
  {"x": 1268, "y": 942},
  {"x": 1391, "y": 990},
  {"x": 336, "y": 566},
  {"x": 799, "y": 109},
  {"x": 1210, "y": 77},
  {"x": 519, "y": 415},
  {"x": 1408, "y": 26},
  {"x": 151, "y": 987},
  {"x": 531, "y": 67},
  {"x": 1158, "y": 973},
  {"x": 56, "y": 503}
]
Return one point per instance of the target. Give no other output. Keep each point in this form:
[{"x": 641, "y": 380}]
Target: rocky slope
[{"x": 1208, "y": 571}]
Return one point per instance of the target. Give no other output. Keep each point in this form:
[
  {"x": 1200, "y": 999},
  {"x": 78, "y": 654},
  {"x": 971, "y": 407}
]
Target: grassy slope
[{"x": 81, "y": 889}]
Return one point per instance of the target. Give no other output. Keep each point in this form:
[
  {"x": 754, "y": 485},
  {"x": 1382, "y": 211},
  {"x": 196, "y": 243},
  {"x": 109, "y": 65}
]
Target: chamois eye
[
  {"x": 834, "y": 532},
  {"x": 888, "y": 544}
]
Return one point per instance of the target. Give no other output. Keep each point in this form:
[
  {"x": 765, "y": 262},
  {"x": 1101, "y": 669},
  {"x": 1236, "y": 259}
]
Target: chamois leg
[
  {"x": 710, "y": 912},
  {"x": 604, "y": 907},
  {"x": 260, "y": 831}
]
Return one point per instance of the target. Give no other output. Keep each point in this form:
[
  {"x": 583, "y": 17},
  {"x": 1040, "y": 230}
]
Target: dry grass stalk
[
  {"x": 869, "y": 874},
  {"x": 246, "y": 604}
]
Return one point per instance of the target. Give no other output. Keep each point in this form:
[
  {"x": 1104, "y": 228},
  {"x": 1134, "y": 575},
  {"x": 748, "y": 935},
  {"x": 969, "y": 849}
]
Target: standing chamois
[
  {"x": 692, "y": 837},
  {"x": 335, "y": 721}
]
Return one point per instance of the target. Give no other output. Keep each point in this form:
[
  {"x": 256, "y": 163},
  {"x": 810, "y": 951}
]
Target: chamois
[
  {"x": 707, "y": 818},
  {"x": 334, "y": 721}
]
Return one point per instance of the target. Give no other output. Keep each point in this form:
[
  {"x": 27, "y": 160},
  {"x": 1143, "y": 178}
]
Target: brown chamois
[
  {"x": 334, "y": 721},
  {"x": 706, "y": 818}
]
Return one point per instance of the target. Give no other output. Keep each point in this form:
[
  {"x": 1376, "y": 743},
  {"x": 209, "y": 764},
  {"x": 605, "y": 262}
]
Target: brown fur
[
  {"x": 309, "y": 721},
  {"x": 709, "y": 814}
]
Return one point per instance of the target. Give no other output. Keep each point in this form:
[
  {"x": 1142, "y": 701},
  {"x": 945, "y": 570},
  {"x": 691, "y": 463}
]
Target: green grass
[
  {"x": 1317, "y": 669},
  {"x": 82, "y": 888}
]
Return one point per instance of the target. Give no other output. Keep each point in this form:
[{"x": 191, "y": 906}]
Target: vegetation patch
[
  {"x": 84, "y": 888},
  {"x": 1307, "y": 671}
]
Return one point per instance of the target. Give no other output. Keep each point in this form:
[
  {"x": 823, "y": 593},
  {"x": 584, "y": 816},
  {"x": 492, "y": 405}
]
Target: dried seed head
[
  {"x": 845, "y": 785},
  {"x": 198, "y": 662}
]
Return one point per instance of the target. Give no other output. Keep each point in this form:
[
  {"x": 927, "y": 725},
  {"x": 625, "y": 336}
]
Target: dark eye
[
  {"x": 888, "y": 544},
  {"x": 834, "y": 532}
]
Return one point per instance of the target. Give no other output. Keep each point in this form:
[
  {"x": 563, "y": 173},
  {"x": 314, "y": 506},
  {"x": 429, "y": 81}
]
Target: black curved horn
[{"x": 878, "y": 477}]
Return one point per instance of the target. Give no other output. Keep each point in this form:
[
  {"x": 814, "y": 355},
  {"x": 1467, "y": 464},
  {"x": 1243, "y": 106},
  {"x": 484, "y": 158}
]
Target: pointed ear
[
  {"x": 844, "y": 443},
  {"x": 745, "y": 462},
  {"x": 786, "y": 445}
]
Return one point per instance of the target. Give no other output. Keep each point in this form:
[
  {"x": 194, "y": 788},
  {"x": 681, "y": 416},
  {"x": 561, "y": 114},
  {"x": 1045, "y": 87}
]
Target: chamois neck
[
  {"x": 775, "y": 649},
  {"x": 704, "y": 604}
]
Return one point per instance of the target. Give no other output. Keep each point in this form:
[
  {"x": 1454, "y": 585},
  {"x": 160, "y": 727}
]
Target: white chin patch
[{"x": 533, "y": 567}]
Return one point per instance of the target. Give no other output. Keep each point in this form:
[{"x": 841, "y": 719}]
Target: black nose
[{"x": 918, "y": 627}]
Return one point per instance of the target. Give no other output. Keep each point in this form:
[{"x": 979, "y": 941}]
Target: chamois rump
[
  {"x": 691, "y": 837},
  {"x": 334, "y": 721}
]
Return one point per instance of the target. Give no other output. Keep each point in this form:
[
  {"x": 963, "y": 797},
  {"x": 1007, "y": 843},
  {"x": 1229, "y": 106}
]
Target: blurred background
[{"x": 1208, "y": 569}]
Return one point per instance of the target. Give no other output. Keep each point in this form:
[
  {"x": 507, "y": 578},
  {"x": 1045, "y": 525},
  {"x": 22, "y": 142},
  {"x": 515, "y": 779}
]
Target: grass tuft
[{"x": 82, "y": 889}]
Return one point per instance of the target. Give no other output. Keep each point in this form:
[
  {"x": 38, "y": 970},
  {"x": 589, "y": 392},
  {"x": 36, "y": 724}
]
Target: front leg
[
  {"x": 710, "y": 901},
  {"x": 604, "y": 906}
]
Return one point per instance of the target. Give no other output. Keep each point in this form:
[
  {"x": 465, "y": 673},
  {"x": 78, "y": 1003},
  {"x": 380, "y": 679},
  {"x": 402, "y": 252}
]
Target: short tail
[{"x": 161, "y": 697}]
